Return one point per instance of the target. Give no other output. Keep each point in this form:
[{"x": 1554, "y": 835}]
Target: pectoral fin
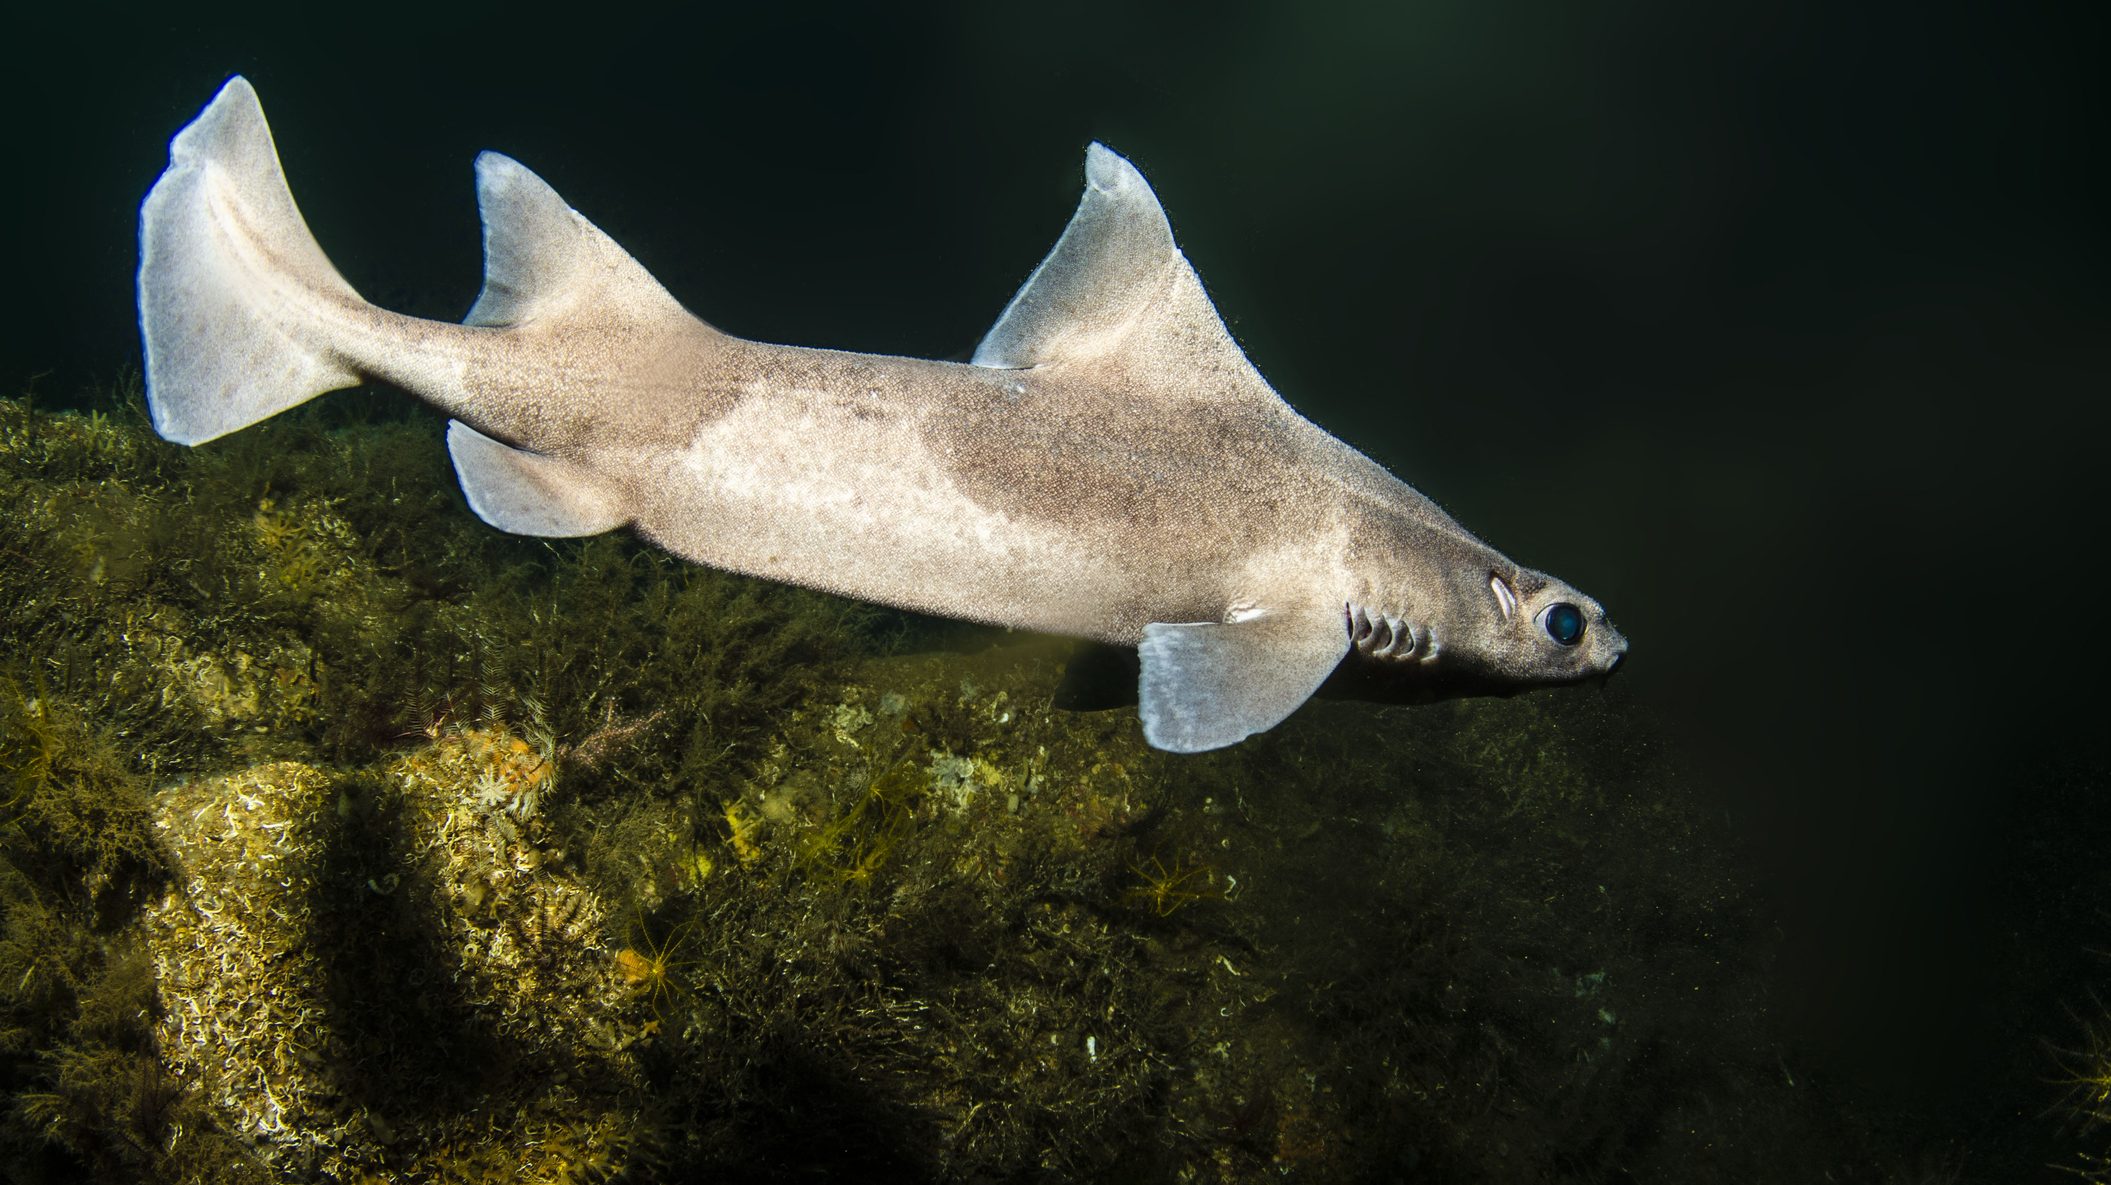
[{"x": 1208, "y": 685}]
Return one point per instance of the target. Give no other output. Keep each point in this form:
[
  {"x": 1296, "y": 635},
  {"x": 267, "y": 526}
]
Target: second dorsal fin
[
  {"x": 543, "y": 261},
  {"x": 1115, "y": 284}
]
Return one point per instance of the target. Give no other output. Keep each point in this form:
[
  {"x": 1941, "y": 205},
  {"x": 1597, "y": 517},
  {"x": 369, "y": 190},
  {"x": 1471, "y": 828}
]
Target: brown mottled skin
[{"x": 1109, "y": 461}]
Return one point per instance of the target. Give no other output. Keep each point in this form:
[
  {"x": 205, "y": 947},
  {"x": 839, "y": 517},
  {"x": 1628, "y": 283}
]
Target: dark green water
[{"x": 1781, "y": 332}]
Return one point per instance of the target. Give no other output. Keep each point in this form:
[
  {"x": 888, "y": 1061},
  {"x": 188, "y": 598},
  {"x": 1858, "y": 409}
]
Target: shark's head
[
  {"x": 1533, "y": 630},
  {"x": 1499, "y": 630}
]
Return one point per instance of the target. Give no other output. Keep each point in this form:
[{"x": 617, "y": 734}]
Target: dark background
[{"x": 1780, "y": 329}]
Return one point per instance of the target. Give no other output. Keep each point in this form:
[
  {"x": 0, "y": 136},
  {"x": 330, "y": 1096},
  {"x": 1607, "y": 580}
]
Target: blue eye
[{"x": 1563, "y": 622}]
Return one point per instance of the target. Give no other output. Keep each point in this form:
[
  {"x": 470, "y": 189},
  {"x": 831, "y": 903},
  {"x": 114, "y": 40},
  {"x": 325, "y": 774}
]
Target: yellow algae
[{"x": 741, "y": 830}]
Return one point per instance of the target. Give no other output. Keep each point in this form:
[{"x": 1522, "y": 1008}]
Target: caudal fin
[{"x": 230, "y": 278}]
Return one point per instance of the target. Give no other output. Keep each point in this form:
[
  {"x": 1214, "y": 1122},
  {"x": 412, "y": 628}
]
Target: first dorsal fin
[
  {"x": 544, "y": 261},
  {"x": 1114, "y": 285}
]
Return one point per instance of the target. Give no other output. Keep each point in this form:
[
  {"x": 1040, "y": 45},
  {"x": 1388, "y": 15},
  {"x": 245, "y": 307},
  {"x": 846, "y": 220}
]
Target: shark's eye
[{"x": 1563, "y": 623}]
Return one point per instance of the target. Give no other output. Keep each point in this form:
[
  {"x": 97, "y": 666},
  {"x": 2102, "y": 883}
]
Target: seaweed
[
  {"x": 852, "y": 846},
  {"x": 1167, "y": 887}
]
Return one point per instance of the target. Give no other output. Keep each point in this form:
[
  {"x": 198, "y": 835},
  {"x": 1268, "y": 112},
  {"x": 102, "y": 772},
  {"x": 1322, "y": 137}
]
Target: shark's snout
[{"x": 1617, "y": 654}]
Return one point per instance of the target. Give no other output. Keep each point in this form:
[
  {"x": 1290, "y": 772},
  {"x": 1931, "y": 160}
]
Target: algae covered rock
[
  {"x": 364, "y": 973},
  {"x": 349, "y": 840}
]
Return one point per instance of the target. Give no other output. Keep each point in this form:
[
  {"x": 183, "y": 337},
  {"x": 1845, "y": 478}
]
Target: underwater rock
[
  {"x": 375, "y": 974},
  {"x": 813, "y": 894},
  {"x": 967, "y": 742}
]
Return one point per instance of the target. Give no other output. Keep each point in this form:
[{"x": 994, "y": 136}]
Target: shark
[{"x": 1108, "y": 465}]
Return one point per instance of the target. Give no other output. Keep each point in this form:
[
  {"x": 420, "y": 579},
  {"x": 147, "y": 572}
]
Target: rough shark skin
[{"x": 1109, "y": 466}]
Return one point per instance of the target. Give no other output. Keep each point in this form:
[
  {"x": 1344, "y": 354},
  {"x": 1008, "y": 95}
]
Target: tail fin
[{"x": 229, "y": 276}]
